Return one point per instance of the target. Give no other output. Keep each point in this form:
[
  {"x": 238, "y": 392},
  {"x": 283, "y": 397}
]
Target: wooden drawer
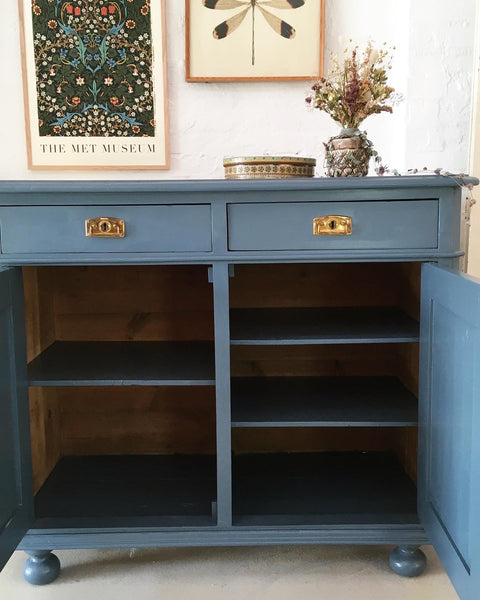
[
  {"x": 375, "y": 225},
  {"x": 50, "y": 229}
]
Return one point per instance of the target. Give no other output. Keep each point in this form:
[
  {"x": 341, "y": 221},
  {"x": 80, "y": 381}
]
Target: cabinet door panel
[
  {"x": 16, "y": 496},
  {"x": 449, "y": 419}
]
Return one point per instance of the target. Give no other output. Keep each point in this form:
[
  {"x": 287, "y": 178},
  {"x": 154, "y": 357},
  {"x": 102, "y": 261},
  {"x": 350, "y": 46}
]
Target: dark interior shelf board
[
  {"x": 325, "y": 520},
  {"x": 184, "y": 522},
  {"x": 124, "y": 363},
  {"x": 331, "y": 325},
  {"x": 322, "y": 402},
  {"x": 349, "y": 488},
  {"x": 167, "y": 490}
]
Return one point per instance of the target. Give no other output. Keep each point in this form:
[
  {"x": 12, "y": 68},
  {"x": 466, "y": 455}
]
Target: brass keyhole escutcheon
[
  {"x": 105, "y": 227},
  {"x": 332, "y": 225}
]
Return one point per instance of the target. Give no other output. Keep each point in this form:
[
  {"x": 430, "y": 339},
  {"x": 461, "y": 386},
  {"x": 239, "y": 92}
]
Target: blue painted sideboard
[{"x": 209, "y": 363}]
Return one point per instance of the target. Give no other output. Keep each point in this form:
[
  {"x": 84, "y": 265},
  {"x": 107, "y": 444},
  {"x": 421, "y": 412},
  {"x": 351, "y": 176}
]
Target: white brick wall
[{"x": 433, "y": 68}]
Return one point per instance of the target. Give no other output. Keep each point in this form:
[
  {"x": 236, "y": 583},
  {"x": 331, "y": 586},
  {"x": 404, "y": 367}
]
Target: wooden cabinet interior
[
  {"x": 117, "y": 304},
  {"x": 329, "y": 285},
  {"x": 175, "y": 303}
]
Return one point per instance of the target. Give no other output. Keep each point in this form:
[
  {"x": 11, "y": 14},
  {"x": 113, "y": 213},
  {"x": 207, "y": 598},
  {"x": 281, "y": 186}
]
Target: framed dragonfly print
[
  {"x": 244, "y": 40},
  {"x": 95, "y": 83}
]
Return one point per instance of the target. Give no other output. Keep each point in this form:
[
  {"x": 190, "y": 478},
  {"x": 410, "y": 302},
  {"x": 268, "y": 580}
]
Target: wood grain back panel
[
  {"x": 305, "y": 285},
  {"x": 141, "y": 303},
  {"x": 306, "y": 439},
  {"x": 137, "y": 420},
  {"x": 310, "y": 361}
]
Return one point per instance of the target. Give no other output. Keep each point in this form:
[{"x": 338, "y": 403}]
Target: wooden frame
[
  {"x": 95, "y": 84},
  {"x": 257, "y": 44}
]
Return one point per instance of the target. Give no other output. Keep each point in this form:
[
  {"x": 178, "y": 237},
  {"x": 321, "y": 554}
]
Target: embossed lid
[{"x": 229, "y": 161}]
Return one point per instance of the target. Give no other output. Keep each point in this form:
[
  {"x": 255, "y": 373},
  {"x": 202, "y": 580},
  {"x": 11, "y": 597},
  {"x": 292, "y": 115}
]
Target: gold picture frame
[
  {"x": 254, "y": 40},
  {"x": 95, "y": 84}
]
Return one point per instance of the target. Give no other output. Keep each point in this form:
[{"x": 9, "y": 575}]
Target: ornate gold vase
[{"x": 348, "y": 154}]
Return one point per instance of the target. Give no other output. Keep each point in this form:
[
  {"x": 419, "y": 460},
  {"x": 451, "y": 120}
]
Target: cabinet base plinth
[
  {"x": 41, "y": 567},
  {"x": 408, "y": 561}
]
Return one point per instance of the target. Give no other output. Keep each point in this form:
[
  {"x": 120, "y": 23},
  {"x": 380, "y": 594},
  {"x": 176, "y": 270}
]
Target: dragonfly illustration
[{"x": 231, "y": 24}]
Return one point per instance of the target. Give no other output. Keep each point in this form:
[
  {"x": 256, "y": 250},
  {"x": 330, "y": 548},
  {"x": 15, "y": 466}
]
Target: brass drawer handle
[
  {"x": 105, "y": 227},
  {"x": 332, "y": 225}
]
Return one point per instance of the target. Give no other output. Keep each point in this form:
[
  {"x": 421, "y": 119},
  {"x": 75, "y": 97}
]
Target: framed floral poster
[
  {"x": 95, "y": 83},
  {"x": 245, "y": 40}
]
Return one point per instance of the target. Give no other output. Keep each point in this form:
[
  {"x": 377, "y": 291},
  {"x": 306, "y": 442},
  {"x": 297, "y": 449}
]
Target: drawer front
[
  {"x": 48, "y": 229},
  {"x": 375, "y": 225}
]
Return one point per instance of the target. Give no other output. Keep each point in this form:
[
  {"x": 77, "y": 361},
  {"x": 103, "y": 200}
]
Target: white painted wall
[
  {"x": 433, "y": 68},
  {"x": 442, "y": 41},
  {"x": 474, "y": 167}
]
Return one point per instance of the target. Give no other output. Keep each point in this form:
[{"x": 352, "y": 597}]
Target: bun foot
[
  {"x": 41, "y": 568},
  {"x": 408, "y": 561}
]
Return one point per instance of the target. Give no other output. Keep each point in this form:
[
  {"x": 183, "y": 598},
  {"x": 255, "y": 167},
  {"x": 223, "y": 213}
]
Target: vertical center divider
[{"x": 220, "y": 280}]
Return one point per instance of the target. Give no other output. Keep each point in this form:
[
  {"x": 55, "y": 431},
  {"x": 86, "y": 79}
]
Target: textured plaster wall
[
  {"x": 474, "y": 248},
  {"x": 441, "y": 66},
  {"x": 433, "y": 68}
]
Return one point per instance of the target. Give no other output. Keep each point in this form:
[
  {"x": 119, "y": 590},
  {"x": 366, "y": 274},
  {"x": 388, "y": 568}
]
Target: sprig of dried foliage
[{"x": 356, "y": 89}]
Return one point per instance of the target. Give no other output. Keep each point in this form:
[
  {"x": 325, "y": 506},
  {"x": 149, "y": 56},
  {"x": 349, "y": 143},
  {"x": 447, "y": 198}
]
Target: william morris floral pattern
[{"x": 93, "y": 61}]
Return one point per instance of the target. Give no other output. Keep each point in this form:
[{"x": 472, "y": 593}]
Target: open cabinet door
[
  {"x": 449, "y": 420},
  {"x": 16, "y": 495}
]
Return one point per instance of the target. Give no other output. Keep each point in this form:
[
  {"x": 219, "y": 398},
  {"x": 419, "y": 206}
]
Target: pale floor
[{"x": 280, "y": 573}]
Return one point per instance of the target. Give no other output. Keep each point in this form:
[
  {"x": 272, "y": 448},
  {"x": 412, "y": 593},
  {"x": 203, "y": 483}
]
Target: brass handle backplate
[
  {"x": 332, "y": 225},
  {"x": 105, "y": 227}
]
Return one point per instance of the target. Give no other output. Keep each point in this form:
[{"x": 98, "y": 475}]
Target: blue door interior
[
  {"x": 449, "y": 419},
  {"x": 16, "y": 496}
]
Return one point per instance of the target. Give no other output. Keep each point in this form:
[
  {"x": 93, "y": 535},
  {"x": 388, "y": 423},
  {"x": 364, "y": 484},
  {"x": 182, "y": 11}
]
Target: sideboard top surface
[{"x": 213, "y": 186}]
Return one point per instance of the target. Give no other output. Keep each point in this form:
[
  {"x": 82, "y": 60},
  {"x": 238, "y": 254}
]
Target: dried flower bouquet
[
  {"x": 355, "y": 90},
  {"x": 350, "y": 93}
]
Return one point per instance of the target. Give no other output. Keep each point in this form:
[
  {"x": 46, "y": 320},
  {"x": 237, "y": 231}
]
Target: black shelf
[
  {"x": 329, "y": 488},
  {"x": 124, "y": 363},
  {"x": 335, "y": 325},
  {"x": 113, "y": 490},
  {"x": 322, "y": 402}
]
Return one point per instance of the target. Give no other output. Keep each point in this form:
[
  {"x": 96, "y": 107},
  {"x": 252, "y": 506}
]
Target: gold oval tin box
[{"x": 268, "y": 167}]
